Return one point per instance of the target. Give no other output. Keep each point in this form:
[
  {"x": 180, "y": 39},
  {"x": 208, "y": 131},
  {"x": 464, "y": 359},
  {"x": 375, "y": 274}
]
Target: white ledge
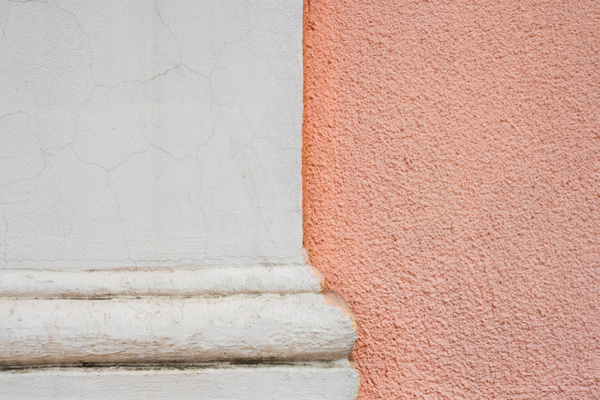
[
  {"x": 198, "y": 281},
  {"x": 292, "y": 327},
  {"x": 316, "y": 381},
  {"x": 52, "y": 319}
]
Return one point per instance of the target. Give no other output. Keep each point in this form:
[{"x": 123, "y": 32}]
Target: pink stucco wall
[{"x": 452, "y": 192}]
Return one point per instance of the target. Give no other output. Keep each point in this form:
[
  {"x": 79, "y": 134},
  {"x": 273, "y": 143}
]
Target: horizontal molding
[
  {"x": 333, "y": 381},
  {"x": 242, "y": 327},
  {"x": 198, "y": 281}
]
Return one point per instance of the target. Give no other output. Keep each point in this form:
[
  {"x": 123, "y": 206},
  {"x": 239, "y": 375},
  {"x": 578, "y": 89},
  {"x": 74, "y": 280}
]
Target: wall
[
  {"x": 142, "y": 133},
  {"x": 452, "y": 192},
  {"x": 163, "y": 135}
]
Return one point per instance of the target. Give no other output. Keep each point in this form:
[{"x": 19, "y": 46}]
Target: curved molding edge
[
  {"x": 170, "y": 316},
  {"x": 79, "y": 330},
  {"x": 198, "y": 281},
  {"x": 272, "y": 327}
]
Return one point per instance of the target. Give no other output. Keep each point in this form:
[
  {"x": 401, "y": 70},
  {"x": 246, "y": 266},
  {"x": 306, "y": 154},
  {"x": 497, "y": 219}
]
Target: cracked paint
[{"x": 172, "y": 137}]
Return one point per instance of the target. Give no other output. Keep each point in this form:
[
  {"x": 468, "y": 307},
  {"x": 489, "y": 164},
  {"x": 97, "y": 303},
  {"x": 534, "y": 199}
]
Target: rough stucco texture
[{"x": 452, "y": 192}]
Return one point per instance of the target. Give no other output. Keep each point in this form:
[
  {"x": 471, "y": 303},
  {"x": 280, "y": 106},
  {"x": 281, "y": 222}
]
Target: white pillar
[{"x": 150, "y": 192}]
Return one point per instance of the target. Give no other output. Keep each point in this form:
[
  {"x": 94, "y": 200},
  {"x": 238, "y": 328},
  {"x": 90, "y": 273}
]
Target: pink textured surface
[{"x": 452, "y": 192}]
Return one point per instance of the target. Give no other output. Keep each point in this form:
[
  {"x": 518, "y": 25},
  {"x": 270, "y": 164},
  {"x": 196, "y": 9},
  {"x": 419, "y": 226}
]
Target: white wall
[{"x": 142, "y": 133}]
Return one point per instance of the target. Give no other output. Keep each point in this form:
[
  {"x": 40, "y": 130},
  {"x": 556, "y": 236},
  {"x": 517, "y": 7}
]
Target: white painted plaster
[
  {"x": 315, "y": 381},
  {"x": 143, "y": 133},
  {"x": 150, "y": 194},
  {"x": 199, "y": 281},
  {"x": 264, "y": 327}
]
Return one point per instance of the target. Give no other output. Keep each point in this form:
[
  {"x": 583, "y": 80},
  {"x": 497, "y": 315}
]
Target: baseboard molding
[
  {"x": 299, "y": 327},
  {"x": 313, "y": 381},
  {"x": 71, "y": 320},
  {"x": 191, "y": 281}
]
